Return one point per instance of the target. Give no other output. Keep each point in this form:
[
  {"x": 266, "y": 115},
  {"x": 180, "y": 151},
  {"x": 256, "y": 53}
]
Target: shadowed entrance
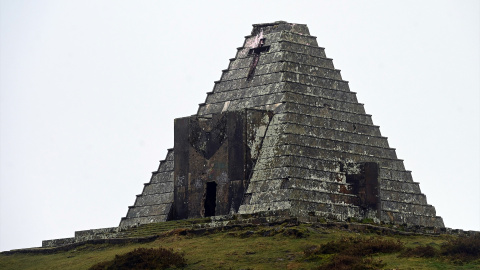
[{"x": 210, "y": 199}]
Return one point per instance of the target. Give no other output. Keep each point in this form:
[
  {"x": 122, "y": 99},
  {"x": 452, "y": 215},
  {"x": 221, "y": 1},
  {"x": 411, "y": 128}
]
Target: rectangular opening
[
  {"x": 365, "y": 185},
  {"x": 210, "y": 199},
  {"x": 371, "y": 172}
]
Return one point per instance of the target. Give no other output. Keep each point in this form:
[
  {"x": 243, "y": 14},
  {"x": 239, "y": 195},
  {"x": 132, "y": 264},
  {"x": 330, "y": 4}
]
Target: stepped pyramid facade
[{"x": 281, "y": 134}]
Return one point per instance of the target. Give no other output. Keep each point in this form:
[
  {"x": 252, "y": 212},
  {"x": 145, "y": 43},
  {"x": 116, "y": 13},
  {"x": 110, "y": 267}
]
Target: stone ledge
[
  {"x": 268, "y": 218},
  {"x": 51, "y": 250},
  {"x": 222, "y": 100}
]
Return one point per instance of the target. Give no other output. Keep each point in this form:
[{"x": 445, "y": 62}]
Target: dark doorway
[
  {"x": 210, "y": 199},
  {"x": 372, "y": 198},
  {"x": 365, "y": 186}
]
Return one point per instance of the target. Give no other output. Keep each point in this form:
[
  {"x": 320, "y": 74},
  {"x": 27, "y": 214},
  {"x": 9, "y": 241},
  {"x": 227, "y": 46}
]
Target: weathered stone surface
[
  {"x": 155, "y": 202},
  {"x": 130, "y": 222},
  {"x": 327, "y": 112},
  {"x": 58, "y": 242},
  {"x": 410, "y": 187},
  {"x": 214, "y": 158},
  {"x": 346, "y": 96},
  {"x": 280, "y": 135},
  {"x": 310, "y": 152},
  {"x": 154, "y": 209},
  {"x": 290, "y": 46},
  {"x": 154, "y": 188}
]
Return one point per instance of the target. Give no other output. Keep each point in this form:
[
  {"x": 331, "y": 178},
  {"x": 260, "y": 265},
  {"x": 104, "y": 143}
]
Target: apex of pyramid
[{"x": 278, "y": 26}]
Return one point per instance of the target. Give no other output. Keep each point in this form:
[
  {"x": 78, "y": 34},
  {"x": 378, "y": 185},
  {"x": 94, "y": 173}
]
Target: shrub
[
  {"x": 350, "y": 253},
  {"x": 349, "y": 262},
  {"x": 311, "y": 251},
  {"x": 462, "y": 248},
  {"x": 420, "y": 252},
  {"x": 360, "y": 246},
  {"x": 143, "y": 258},
  {"x": 295, "y": 232},
  {"x": 459, "y": 249}
]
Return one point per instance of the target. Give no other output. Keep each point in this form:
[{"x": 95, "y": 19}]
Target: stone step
[{"x": 158, "y": 228}]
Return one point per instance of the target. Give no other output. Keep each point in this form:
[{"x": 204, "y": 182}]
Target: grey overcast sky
[{"x": 90, "y": 89}]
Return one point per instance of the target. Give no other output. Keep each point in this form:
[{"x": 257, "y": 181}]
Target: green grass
[{"x": 255, "y": 247}]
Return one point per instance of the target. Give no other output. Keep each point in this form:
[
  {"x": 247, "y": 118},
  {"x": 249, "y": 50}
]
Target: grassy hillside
[{"x": 281, "y": 246}]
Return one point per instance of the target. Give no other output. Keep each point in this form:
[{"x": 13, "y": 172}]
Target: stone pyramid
[{"x": 281, "y": 134}]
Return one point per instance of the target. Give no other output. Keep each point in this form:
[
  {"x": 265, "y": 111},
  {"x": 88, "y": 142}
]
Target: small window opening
[{"x": 284, "y": 184}]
